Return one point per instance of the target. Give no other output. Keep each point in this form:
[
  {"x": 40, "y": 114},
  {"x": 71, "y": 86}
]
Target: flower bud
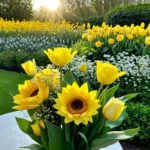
[
  {"x": 42, "y": 124},
  {"x": 36, "y": 129},
  {"x": 83, "y": 68},
  {"x": 113, "y": 109}
]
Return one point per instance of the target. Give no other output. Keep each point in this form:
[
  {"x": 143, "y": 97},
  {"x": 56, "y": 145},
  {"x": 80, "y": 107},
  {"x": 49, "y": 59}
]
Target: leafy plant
[{"x": 138, "y": 115}]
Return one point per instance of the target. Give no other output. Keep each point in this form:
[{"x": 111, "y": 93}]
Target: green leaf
[
  {"x": 56, "y": 138},
  {"x": 44, "y": 138},
  {"x": 25, "y": 126},
  {"x": 8, "y": 88},
  {"x": 31, "y": 112},
  {"x": 128, "y": 97},
  {"x": 81, "y": 143},
  {"x": 34, "y": 147},
  {"x": 105, "y": 49},
  {"x": 107, "y": 94},
  {"x": 84, "y": 48},
  {"x": 102, "y": 141},
  {"x": 68, "y": 78},
  {"x": 68, "y": 132},
  {"x": 113, "y": 124}
]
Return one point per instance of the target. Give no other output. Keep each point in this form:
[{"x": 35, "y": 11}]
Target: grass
[{"x": 8, "y": 88}]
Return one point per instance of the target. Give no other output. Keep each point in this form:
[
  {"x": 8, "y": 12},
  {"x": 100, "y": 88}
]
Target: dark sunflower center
[
  {"x": 34, "y": 93},
  {"x": 77, "y": 104}
]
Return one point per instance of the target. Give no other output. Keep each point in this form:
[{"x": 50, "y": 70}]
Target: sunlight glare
[{"x": 51, "y": 4}]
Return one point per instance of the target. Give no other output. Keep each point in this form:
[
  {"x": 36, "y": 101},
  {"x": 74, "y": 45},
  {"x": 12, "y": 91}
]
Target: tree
[{"x": 16, "y": 9}]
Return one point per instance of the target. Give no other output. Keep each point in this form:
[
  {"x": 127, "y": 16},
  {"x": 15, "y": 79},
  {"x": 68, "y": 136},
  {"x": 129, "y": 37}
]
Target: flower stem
[
  {"x": 100, "y": 128},
  {"x": 84, "y": 77},
  {"x": 61, "y": 83},
  {"x": 99, "y": 90}
]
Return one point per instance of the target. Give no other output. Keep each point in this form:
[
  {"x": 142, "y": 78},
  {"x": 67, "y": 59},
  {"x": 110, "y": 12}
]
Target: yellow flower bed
[{"x": 48, "y": 27}]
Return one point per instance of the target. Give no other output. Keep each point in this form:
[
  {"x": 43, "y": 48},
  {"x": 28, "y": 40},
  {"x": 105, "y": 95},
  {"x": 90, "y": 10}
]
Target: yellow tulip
[
  {"x": 88, "y": 25},
  {"x": 147, "y": 40},
  {"x": 98, "y": 44},
  {"x": 42, "y": 124},
  {"x": 83, "y": 35},
  {"x": 107, "y": 73},
  {"x": 120, "y": 38},
  {"x": 36, "y": 129},
  {"x": 130, "y": 36},
  {"x": 142, "y": 32},
  {"x": 90, "y": 38},
  {"x": 111, "y": 41},
  {"x": 113, "y": 109},
  {"x": 83, "y": 68},
  {"x": 29, "y": 67},
  {"x": 142, "y": 25},
  {"x": 60, "y": 56}
]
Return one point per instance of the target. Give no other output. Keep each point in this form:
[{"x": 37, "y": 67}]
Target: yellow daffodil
[
  {"x": 111, "y": 41},
  {"x": 60, "y": 56},
  {"x": 113, "y": 109},
  {"x": 147, "y": 40},
  {"x": 36, "y": 129},
  {"x": 107, "y": 73},
  {"x": 98, "y": 44},
  {"x": 120, "y": 37},
  {"x": 32, "y": 94},
  {"x": 83, "y": 68},
  {"x": 77, "y": 104},
  {"x": 29, "y": 67}
]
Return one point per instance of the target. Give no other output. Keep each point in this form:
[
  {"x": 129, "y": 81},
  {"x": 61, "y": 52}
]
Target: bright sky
[{"x": 51, "y": 4}]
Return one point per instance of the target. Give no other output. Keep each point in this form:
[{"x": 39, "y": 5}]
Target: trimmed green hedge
[
  {"x": 12, "y": 60},
  {"x": 138, "y": 115},
  {"x": 126, "y": 15}
]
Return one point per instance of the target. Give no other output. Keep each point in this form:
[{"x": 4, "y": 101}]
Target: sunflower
[
  {"x": 32, "y": 94},
  {"x": 77, "y": 104}
]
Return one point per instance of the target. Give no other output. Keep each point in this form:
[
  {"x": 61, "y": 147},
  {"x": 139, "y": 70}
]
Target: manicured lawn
[{"x": 8, "y": 87}]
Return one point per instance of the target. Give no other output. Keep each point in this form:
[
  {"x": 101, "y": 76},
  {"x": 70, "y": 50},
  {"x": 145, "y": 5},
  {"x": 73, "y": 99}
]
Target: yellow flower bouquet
[{"x": 66, "y": 115}]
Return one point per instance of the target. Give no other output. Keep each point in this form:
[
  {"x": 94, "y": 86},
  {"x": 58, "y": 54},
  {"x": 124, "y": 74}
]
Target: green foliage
[
  {"x": 82, "y": 46},
  {"x": 16, "y": 9},
  {"x": 111, "y": 138},
  {"x": 12, "y": 60},
  {"x": 94, "y": 21},
  {"x": 138, "y": 115},
  {"x": 25, "y": 126},
  {"x": 8, "y": 88},
  {"x": 126, "y": 15},
  {"x": 34, "y": 147}
]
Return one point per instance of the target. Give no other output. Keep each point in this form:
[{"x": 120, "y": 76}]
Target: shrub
[
  {"x": 12, "y": 60},
  {"x": 94, "y": 21},
  {"x": 130, "y": 14},
  {"x": 138, "y": 115}
]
